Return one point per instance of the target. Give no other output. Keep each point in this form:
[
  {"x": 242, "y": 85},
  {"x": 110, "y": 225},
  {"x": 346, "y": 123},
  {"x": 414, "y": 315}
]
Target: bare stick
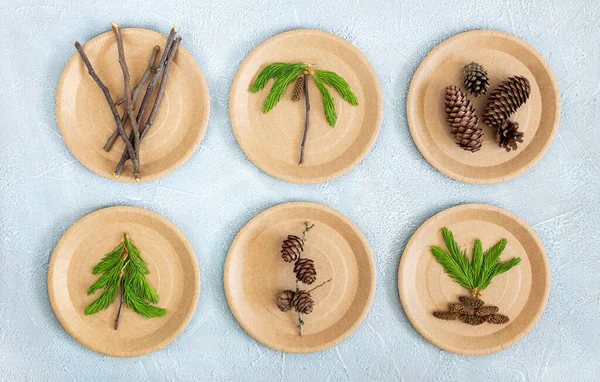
[
  {"x": 111, "y": 103},
  {"x": 320, "y": 285},
  {"x": 306, "y": 120},
  {"x": 127, "y": 91},
  {"x": 300, "y": 320},
  {"x": 307, "y": 227},
  {"x": 136, "y": 91},
  {"x": 121, "y": 301},
  {"x": 159, "y": 97}
]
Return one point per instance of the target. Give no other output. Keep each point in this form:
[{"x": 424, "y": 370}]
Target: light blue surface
[{"x": 44, "y": 189}]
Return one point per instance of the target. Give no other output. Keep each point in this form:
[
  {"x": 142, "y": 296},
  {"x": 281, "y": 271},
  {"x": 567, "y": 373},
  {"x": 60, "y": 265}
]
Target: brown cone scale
[
  {"x": 462, "y": 119},
  {"x": 475, "y": 79},
  {"x": 470, "y": 301},
  {"x": 303, "y": 302},
  {"x": 505, "y": 100},
  {"x": 508, "y": 135},
  {"x": 292, "y": 248},
  {"x": 284, "y": 300},
  {"x": 305, "y": 270}
]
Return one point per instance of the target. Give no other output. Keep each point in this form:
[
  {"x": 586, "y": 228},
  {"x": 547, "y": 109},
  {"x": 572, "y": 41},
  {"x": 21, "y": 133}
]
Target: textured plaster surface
[{"x": 44, "y": 190}]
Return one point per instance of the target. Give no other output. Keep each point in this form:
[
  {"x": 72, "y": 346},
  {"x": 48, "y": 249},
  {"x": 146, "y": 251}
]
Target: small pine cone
[
  {"x": 508, "y": 135},
  {"x": 284, "y": 300},
  {"x": 472, "y": 320},
  {"x": 456, "y": 307},
  {"x": 463, "y": 120},
  {"x": 497, "y": 319},
  {"x": 302, "y": 302},
  {"x": 485, "y": 311},
  {"x": 471, "y": 301},
  {"x": 475, "y": 79},
  {"x": 292, "y": 248},
  {"x": 298, "y": 89},
  {"x": 505, "y": 100},
  {"x": 442, "y": 315},
  {"x": 305, "y": 270}
]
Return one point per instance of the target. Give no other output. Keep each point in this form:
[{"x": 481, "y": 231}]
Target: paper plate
[
  {"x": 85, "y": 120},
  {"x": 173, "y": 269},
  {"x": 272, "y": 141},
  {"x": 521, "y": 293},
  {"x": 255, "y": 274},
  {"x": 502, "y": 55}
]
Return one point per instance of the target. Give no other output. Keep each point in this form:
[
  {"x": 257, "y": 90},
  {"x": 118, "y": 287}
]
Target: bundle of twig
[{"x": 154, "y": 73}]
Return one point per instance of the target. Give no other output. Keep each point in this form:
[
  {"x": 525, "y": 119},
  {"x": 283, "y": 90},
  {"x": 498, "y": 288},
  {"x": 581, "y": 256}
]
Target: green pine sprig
[
  {"x": 476, "y": 274},
  {"x": 124, "y": 266}
]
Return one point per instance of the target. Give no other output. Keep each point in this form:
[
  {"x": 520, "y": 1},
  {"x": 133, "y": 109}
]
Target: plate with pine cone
[
  {"x": 483, "y": 107},
  {"x": 474, "y": 304},
  {"x": 300, "y": 277}
]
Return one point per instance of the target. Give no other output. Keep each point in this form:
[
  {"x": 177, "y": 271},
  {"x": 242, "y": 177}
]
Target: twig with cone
[{"x": 299, "y": 300}]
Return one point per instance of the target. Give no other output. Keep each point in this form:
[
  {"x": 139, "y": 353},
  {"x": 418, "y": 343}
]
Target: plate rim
[
  {"x": 413, "y": 125},
  {"x": 175, "y": 230},
  {"x": 368, "y": 303},
  {"x": 506, "y": 344},
  {"x": 202, "y": 122},
  {"x": 318, "y": 179}
]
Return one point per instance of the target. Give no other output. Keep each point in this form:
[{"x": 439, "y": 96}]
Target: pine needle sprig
[
  {"x": 328, "y": 105},
  {"x": 477, "y": 274},
  {"x": 279, "y": 87},
  {"x": 123, "y": 268},
  {"x": 333, "y": 80},
  {"x": 274, "y": 71}
]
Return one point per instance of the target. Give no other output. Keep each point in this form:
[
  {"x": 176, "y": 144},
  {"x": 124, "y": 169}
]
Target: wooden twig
[
  {"x": 161, "y": 91},
  {"x": 135, "y": 131},
  {"x": 121, "y": 301},
  {"x": 306, "y": 120},
  {"x": 136, "y": 91},
  {"x": 111, "y": 104}
]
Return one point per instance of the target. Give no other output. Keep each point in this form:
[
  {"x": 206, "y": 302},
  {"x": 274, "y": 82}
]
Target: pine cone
[
  {"x": 446, "y": 315},
  {"x": 471, "y": 301},
  {"x": 456, "y": 307},
  {"x": 497, "y": 319},
  {"x": 284, "y": 300},
  {"x": 508, "y": 135},
  {"x": 463, "y": 120},
  {"x": 472, "y": 320},
  {"x": 505, "y": 100},
  {"x": 475, "y": 79},
  {"x": 303, "y": 302},
  {"x": 298, "y": 89},
  {"x": 485, "y": 311},
  {"x": 305, "y": 270},
  {"x": 292, "y": 248}
]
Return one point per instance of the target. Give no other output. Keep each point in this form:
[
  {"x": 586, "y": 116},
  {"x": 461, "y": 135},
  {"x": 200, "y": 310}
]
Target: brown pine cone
[
  {"x": 471, "y": 301},
  {"x": 446, "y": 315},
  {"x": 508, "y": 135},
  {"x": 475, "y": 79},
  {"x": 284, "y": 300},
  {"x": 472, "y": 320},
  {"x": 292, "y": 248},
  {"x": 302, "y": 302},
  {"x": 463, "y": 120},
  {"x": 298, "y": 89},
  {"x": 505, "y": 100},
  {"x": 456, "y": 307},
  {"x": 485, "y": 311},
  {"x": 305, "y": 270},
  {"x": 497, "y": 319}
]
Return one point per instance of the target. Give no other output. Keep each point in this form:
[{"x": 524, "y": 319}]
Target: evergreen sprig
[
  {"x": 124, "y": 267},
  {"x": 477, "y": 274}
]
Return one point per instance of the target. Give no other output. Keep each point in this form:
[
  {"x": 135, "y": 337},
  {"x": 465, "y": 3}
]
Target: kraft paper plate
[
  {"x": 521, "y": 293},
  {"x": 502, "y": 55},
  {"x": 272, "y": 141},
  {"x": 255, "y": 273},
  {"x": 85, "y": 120},
  {"x": 173, "y": 269}
]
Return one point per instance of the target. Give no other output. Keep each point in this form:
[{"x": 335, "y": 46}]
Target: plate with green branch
[
  {"x": 306, "y": 106},
  {"x": 123, "y": 281},
  {"x": 474, "y": 279}
]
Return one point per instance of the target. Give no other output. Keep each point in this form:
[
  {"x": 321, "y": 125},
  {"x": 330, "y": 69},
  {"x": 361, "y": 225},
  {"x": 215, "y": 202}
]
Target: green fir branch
[
  {"x": 328, "y": 105},
  {"x": 275, "y": 71},
  {"x": 136, "y": 303},
  {"x": 104, "y": 301},
  {"x": 451, "y": 267},
  {"x": 279, "y": 87},
  {"x": 333, "y": 80},
  {"x": 109, "y": 260}
]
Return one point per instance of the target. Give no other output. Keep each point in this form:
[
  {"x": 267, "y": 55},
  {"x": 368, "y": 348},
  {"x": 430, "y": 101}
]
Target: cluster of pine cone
[
  {"x": 502, "y": 102},
  {"x": 306, "y": 273},
  {"x": 472, "y": 311}
]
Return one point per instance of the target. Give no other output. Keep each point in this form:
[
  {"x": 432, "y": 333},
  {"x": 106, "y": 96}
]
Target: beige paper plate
[
  {"x": 503, "y": 55},
  {"x": 520, "y": 293},
  {"x": 272, "y": 141},
  {"x": 173, "y": 269},
  {"x": 255, "y": 273},
  {"x": 85, "y": 121}
]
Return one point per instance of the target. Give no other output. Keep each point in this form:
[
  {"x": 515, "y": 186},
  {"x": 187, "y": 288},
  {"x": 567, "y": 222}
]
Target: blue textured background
[{"x": 44, "y": 189}]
